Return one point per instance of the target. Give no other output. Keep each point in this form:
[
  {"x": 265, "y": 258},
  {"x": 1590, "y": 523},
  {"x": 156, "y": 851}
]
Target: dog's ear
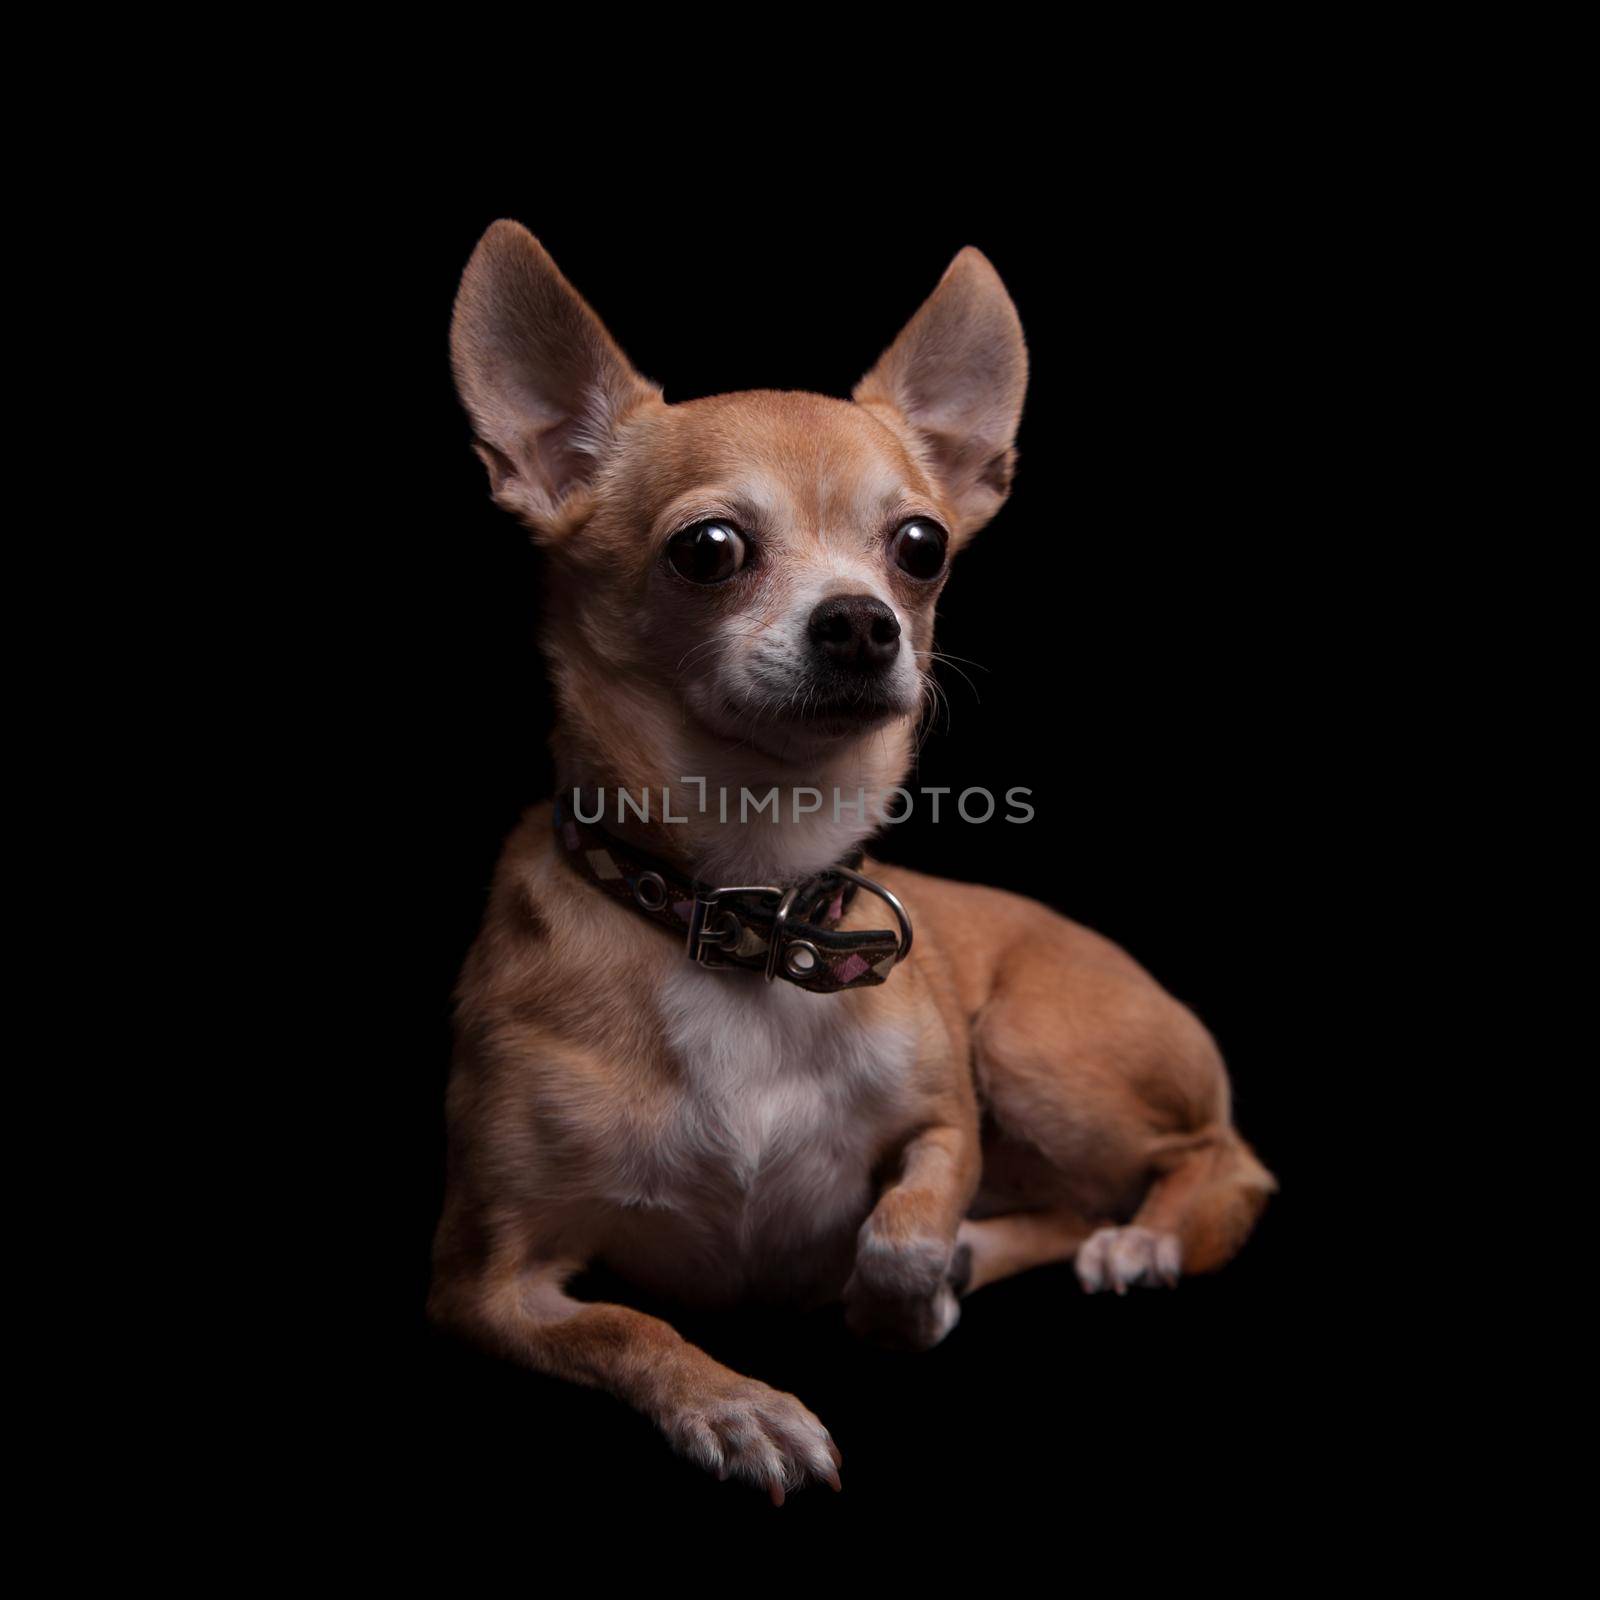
[
  {"x": 955, "y": 377},
  {"x": 542, "y": 380}
]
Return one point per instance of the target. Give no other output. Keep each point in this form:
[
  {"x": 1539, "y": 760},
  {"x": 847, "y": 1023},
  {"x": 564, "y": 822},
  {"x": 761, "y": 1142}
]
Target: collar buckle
[{"x": 711, "y": 930}]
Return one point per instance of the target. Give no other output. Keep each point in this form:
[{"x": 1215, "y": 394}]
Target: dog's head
[{"x": 765, "y": 562}]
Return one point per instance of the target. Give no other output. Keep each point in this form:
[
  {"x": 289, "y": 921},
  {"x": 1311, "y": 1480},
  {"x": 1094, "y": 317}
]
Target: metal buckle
[
  {"x": 776, "y": 952},
  {"x": 705, "y": 940}
]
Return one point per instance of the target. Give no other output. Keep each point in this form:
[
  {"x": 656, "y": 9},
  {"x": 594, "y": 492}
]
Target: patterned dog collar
[{"x": 767, "y": 928}]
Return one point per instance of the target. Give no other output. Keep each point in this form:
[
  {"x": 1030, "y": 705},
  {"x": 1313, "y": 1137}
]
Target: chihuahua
[{"x": 698, "y": 1045}]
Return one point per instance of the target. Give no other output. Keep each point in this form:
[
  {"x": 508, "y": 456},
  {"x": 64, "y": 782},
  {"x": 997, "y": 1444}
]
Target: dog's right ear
[
  {"x": 542, "y": 380},
  {"x": 955, "y": 378}
]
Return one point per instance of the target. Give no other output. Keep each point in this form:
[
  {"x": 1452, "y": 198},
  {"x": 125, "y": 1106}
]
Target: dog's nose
[{"x": 855, "y": 630}]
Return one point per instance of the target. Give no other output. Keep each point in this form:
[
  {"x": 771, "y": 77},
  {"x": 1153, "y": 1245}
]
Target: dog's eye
[
  {"x": 709, "y": 552},
  {"x": 918, "y": 548}
]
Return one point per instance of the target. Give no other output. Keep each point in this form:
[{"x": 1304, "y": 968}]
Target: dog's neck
[{"x": 710, "y": 826}]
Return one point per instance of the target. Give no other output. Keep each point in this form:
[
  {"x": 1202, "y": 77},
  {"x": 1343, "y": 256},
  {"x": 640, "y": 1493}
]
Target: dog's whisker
[
  {"x": 944, "y": 655},
  {"x": 936, "y": 655}
]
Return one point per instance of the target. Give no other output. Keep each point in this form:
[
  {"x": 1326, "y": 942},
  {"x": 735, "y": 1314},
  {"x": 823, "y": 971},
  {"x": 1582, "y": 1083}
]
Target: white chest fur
[{"x": 783, "y": 1099}]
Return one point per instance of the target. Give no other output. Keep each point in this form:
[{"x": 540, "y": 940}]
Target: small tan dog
[{"x": 742, "y": 589}]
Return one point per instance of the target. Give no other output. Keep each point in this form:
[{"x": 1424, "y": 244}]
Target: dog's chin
[{"x": 802, "y": 725}]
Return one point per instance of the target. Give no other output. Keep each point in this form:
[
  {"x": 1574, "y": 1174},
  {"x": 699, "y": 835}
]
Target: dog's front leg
[
  {"x": 901, "y": 1292},
  {"x": 732, "y": 1426}
]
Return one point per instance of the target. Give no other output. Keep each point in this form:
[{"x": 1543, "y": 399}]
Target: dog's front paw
[
  {"x": 900, "y": 1293},
  {"x": 745, "y": 1429},
  {"x": 1117, "y": 1258}
]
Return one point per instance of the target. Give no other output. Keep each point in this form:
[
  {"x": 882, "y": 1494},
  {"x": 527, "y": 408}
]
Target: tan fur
[{"x": 1019, "y": 1092}]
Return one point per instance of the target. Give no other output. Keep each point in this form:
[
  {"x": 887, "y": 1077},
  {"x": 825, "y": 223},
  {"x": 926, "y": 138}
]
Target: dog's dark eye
[
  {"x": 919, "y": 548},
  {"x": 709, "y": 552}
]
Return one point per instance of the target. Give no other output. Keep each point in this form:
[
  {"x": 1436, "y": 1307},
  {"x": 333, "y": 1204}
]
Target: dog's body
[{"x": 1018, "y": 1092}]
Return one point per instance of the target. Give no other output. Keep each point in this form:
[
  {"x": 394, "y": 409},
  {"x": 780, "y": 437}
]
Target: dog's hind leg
[
  {"x": 1194, "y": 1218},
  {"x": 1196, "y": 1214},
  {"x": 1108, "y": 1101},
  {"x": 999, "y": 1247}
]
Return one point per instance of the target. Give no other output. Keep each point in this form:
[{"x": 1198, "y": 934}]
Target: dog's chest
[{"x": 767, "y": 1152}]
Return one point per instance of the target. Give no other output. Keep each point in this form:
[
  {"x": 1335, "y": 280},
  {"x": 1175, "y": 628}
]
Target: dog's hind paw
[{"x": 1118, "y": 1258}]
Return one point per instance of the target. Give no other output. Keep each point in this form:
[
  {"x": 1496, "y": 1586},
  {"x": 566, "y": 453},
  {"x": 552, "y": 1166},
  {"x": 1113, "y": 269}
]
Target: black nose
[{"x": 855, "y": 630}]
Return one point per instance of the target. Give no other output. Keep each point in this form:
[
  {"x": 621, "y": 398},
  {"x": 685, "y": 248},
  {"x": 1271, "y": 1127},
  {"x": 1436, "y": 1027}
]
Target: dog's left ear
[
  {"x": 544, "y": 383},
  {"x": 956, "y": 377}
]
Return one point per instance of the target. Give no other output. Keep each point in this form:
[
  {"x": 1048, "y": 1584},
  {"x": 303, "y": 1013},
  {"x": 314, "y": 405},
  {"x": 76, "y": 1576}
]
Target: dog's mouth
[
  {"x": 841, "y": 706},
  {"x": 823, "y": 709},
  {"x": 811, "y": 711}
]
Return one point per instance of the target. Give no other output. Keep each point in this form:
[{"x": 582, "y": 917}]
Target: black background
[{"x": 1149, "y": 634}]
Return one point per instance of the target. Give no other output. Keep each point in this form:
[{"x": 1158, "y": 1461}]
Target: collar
[{"x": 779, "y": 931}]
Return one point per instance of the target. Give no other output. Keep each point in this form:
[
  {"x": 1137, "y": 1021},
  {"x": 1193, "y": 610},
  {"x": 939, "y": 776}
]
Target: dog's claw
[
  {"x": 744, "y": 1429},
  {"x": 1119, "y": 1258}
]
